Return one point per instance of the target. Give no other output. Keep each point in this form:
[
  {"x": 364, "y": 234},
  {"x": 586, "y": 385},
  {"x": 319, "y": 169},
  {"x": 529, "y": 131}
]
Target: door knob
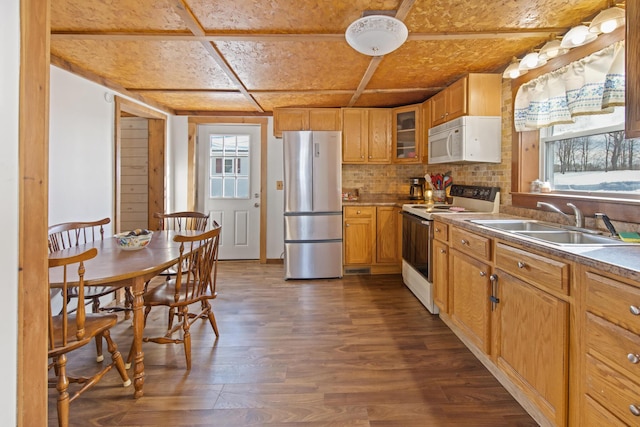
[{"x": 256, "y": 205}]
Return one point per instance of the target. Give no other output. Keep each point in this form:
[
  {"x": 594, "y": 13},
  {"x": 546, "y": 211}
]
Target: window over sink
[{"x": 591, "y": 155}]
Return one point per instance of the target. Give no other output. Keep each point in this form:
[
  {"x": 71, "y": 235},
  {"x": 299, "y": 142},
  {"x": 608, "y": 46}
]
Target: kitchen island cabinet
[{"x": 372, "y": 239}]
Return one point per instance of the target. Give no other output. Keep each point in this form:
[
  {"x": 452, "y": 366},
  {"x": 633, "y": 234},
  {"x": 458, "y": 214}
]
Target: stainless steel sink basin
[
  {"x": 572, "y": 238},
  {"x": 549, "y": 233},
  {"x": 516, "y": 225}
]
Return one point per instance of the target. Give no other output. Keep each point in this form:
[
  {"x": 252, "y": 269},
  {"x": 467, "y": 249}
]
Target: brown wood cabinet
[
  {"x": 359, "y": 235},
  {"x": 305, "y": 119},
  {"x": 407, "y": 134},
  {"x": 388, "y": 235},
  {"x": 366, "y": 135},
  {"x": 531, "y": 327},
  {"x": 470, "y": 286},
  {"x": 477, "y": 94},
  {"x": 372, "y": 239},
  {"x": 440, "y": 265},
  {"x": 611, "y": 354}
]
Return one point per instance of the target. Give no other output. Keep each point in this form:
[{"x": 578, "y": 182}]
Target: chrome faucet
[{"x": 579, "y": 218}]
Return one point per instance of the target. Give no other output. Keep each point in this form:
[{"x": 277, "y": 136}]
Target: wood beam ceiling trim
[
  {"x": 194, "y": 26},
  {"x": 72, "y": 68},
  {"x": 448, "y": 35},
  {"x": 401, "y": 14}
]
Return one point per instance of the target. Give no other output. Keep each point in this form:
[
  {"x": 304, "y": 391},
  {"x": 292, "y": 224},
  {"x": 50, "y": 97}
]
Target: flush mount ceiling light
[
  {"x": 513, "y": 70},
  {"x": 552, "y": 49},
  {"x": 607, "y": 20},
  {"x": 532, "y": 60},
  {"x": 376, "y": 35},
  {"x": 577, "y": 36}
]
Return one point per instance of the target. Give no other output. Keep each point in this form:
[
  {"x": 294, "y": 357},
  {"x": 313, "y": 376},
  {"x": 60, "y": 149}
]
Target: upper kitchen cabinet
[
  {"x": 366, "y": 135},
  {"x": 407, "y": 136},
  {"x": 474, "y": 95},
  {"x": 305, "y": 119}
]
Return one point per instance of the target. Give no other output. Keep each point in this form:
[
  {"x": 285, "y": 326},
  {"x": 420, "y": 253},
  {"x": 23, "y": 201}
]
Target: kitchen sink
[
  {"x": 517, "y": 225},
  {"x": 572, "y": 238},
  {"x": 550, "y": 233}
]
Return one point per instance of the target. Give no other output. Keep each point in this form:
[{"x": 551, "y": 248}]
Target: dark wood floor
[{"x": 360, "y": 351}]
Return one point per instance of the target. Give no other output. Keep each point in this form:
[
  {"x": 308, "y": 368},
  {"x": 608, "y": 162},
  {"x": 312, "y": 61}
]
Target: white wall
[
  {"x": 275, "y": 198},
  {"x": 81, "y": 150},
  {"x": 177, "y": 154},
  {"x": 9, "y": 83}
]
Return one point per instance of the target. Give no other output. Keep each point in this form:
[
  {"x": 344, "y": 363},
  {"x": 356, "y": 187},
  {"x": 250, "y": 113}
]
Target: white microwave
[{"x": 466, "y": 139}]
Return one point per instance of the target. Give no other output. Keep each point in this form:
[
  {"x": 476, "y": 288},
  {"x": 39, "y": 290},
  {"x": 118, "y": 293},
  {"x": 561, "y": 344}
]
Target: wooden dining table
[{"x": 114, "y": 266}]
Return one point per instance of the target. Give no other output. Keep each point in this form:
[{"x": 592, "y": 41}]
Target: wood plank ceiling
[{"x": 251, "y": 56}]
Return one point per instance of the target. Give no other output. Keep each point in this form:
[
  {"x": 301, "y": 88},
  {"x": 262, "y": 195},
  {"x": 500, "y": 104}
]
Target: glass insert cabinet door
[
  {"x": 229, "y": 169},
  {"x": 406, "y": 134}
]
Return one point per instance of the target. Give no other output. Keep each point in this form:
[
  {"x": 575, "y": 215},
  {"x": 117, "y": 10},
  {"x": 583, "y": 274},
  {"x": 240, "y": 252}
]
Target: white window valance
[{"x": 592, "y": 85}]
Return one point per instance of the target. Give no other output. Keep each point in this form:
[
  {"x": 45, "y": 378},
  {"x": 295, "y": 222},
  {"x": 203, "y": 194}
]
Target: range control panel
[{"x": 475, "y": 192}]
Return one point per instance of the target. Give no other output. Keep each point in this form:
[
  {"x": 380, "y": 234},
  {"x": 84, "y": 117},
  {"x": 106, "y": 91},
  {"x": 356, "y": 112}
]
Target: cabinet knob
[
  {"x": 634, "y": 310},
  {"x": 443, "y": 251},
  {"x": 521, "y": 264},
  {"x": 464, "y": 242},
  {"x": 437, "y": 230},
  {"x": 347, "y": 225},
  {"x": 358, "y": 212},
  {"x": 633, "y": 358},
  {"x": 635, "y": 410},
  {"x": 483, "y": 273},
  {"x": 362, "y": 157},
  {"x": 370, "y": 156}
]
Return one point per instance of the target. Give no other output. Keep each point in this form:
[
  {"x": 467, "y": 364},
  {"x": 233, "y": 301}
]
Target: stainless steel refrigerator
[{"x": 312, "y": 204}]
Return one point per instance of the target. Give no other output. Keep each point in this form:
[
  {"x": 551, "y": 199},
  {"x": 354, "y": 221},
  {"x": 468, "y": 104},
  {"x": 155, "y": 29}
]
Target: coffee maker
[{"x": 416, "y": 189}]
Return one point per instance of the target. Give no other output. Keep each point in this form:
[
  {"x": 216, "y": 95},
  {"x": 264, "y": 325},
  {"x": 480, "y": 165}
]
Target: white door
[{"x": 229, "y": 186}]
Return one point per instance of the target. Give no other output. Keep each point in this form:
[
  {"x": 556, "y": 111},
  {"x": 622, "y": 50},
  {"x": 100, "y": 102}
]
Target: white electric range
[{"x": 417, "y": 234}]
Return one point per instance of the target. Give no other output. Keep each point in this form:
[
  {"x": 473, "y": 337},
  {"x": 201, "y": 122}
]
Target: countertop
[
  {"x": 620, "y": 260},
  {"x": 381, "y": 200}
]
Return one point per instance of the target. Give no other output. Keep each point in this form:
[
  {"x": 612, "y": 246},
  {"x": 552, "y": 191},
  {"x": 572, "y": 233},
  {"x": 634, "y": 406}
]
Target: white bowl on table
[{"x": 133, "y": 240}]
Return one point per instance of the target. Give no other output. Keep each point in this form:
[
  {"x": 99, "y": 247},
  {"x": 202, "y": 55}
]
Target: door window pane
[{"x": 229, "y": 166}]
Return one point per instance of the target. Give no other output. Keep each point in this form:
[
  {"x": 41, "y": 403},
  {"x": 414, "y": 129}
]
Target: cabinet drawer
[
  {"x": 596, "y": 416},
  {"x": 359, "y": 211},
  {"x": 471, "y": 244},
  {"x": 613, "y": 300},
  {"x": 613, "y": 345},
  {"x": 440, "y": 231},
  {"x": 615, "y": 392},
  {"x": 544, "y": 272}
]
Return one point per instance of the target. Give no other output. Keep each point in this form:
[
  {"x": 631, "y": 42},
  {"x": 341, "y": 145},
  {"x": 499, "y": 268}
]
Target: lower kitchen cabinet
[
  {"x": 440, "y": 266},
  {"x": 359, "y": 235},
  {"x": 531, "y": 343},
  {"x": 372, "y": 239},
  {"x": 469, "y": 306},
  {"x": 611, "y": 353},
  {"x": 388, "y": 235}
]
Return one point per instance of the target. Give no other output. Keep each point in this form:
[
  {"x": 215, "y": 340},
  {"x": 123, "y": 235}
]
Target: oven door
[{"x": 417, "y": 236}]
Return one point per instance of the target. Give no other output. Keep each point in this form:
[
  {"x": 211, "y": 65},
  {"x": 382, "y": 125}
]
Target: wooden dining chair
[
  {"x": 194, "y": 282},
  {"x": 180, "y": 221},
  {"x": 69, "y": 234},
  {"x": 69, "y": 331}
]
